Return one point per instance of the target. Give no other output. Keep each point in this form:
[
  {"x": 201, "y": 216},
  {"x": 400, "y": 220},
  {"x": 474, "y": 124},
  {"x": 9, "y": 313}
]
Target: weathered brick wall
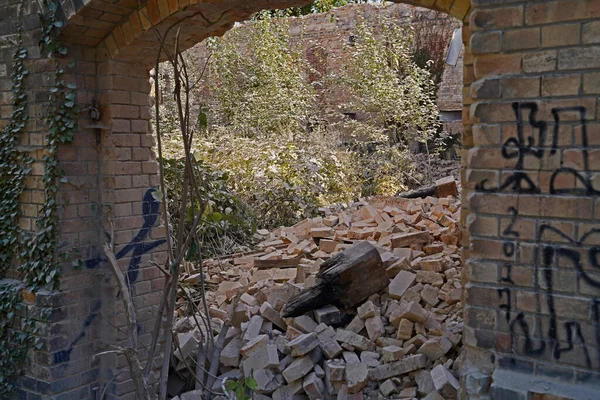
[
  {"x": 530, "y": 197},
  {"x": 533, "y": 287}
]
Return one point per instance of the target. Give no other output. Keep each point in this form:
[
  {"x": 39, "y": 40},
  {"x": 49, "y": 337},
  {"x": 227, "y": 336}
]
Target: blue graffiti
[
  {"x": 65, "y": 355},
  {"x": 138, "y": 246}
]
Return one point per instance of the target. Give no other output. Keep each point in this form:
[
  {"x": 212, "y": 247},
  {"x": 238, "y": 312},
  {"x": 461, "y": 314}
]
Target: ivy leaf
[{"x": 251, "y": 383}]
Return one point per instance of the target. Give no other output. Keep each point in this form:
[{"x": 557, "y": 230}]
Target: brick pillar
[
  {"x": 128, "y": 178},
  {"x": 532, "y": 315}
]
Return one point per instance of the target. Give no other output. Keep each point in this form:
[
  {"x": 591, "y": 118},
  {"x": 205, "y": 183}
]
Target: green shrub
[
  {"x": 280, "y": 181},
  {"x": 225, "y": 223}
]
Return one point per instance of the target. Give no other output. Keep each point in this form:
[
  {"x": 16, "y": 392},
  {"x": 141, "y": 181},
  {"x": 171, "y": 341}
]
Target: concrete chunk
[
  {"x": 264, "y": 357},
  {"x": 356, "y": 325},
  {"x": 391, "y": 353},
  {"x": 268, "y": 312},
  {"x": 304, "y": 324},
  {"x": 436, "y": 347},
  {"x": 267, "y": 381},
  {"x": 230, "y": 355},
  {"x": 445, "y": 383},
  {"x": 302, "y": 366},
  {"x": 405, "y": 329},
  {"x": 424, "y": 382},
  {"x": 367, "y": 310},
  {"x": 396, "y": 368},
  {"x": 256, "y": 343},
  {"x": 370, "y": 358},
  {"x": 411, "y": 311},
  {"x": 374, "y": 327},
  {"x": 253, "y": 328},
  {"x": 334, "y": 370},
  {"x": 388, "y": 388},
  {"x": 314, "y": 387}
]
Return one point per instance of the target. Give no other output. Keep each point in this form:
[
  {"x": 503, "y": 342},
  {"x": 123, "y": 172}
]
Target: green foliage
[
  {"x": 282, "y": 181},
  {"x": 385, "y": 82},
  {"x": 40, "y": 255},
  {"x": 16, "y": 337},
  {"x": 36, "y": 252},
  {"x": 14, "y": 164},
  {"x": 283, "y": 154},
  {"x": 317, "y": 6},
  {"x": 242, "y": 388},
  {"x": 224, "y": 220},
  {"x": 258, "y": 87},
  {"x": 15, "y": 340}
]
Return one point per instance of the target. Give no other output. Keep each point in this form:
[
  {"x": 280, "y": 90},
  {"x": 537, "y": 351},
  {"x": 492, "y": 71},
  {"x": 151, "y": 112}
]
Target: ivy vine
[
  {"x": 16, "y": 330},
  {"x": 42, "y": 264},
  {"x": 37, "y": 253}
]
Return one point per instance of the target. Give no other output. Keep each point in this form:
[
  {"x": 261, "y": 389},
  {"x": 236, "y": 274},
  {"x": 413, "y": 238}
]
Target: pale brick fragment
[
  {"x": 407, "y": 364},
  {"x": 357, "y": 376},
  {"x": 302, "y": 344}
]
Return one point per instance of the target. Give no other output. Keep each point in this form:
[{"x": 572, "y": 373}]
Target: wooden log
[
  {"x": 442, "y": 188},
  {"x": 346, "y": 279}
]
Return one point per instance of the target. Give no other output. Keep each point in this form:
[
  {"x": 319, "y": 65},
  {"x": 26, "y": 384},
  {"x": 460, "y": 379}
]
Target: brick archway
[
  {"x": 530, "y": 183},
  {"x": 117, "y": 45},
  {"x": 124, "y": 30}
]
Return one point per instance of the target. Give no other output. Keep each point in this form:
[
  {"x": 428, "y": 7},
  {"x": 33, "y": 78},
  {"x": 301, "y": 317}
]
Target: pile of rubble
[
  {"x": 362, "y": 303},
  {"x": 434, "y": 167}
]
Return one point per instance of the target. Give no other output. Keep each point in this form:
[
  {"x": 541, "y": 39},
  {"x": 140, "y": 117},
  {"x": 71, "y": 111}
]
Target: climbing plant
[
  {"x": 42, "y": 264},
  {"x": 35, "y": 252},
  {"x": 15, "y": 332}
]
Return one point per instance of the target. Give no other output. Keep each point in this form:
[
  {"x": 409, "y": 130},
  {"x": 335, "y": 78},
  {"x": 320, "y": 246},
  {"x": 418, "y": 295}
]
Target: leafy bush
[
  {"x": 282, "y": 181},
  {"x": 386, "y": 83},
  {"x": 269, "y": 155},
  {"x": 257, "y": 86},
  {"x": 225, "y": 223}
]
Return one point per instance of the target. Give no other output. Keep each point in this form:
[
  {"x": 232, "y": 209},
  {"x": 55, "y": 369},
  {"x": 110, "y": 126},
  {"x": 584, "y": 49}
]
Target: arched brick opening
[
  {"x": 530, "y": 190},
  {"x": 116, "y": 46}
]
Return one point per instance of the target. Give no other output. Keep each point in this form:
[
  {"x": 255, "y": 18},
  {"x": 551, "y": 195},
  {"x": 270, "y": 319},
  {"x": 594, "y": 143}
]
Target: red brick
[
  {"x": 563, "y": 10},
  {"x": 560, "y": 35},
  {"x": 521, "y": 39},
  {"x": 505, "y": 17},
  {"x": 497, "y": 64},
  {"x": 591, "y": 32},
  {"x": 561, "y": 85},
  {"x": 521, "y": 87}
]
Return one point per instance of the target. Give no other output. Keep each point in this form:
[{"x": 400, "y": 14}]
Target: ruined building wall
[
  {"x": 530, "y": 188},
  {"x": 323, "y": 39}
]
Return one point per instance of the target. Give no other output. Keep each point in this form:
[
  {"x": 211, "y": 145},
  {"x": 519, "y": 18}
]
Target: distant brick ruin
[
  {"x": 324, "y": 36},
  {"x": 531, "y": 185}
]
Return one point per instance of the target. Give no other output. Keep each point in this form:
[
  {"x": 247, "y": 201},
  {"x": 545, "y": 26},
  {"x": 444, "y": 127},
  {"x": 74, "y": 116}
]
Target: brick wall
[
  {"x": 533, "y": 285},
  {"x": 530, "y": 198}
]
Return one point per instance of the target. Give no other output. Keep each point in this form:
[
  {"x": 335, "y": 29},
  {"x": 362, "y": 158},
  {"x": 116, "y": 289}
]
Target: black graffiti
[
  {"x": 509, "y": 231},
  {"x": 528, "y": 347},
  {"x": 507, "y": 277},
  {"x": 596, "y": 321},
  {"x": 507, "y": 307},
  {"x": 573, "y": 255},
  {"x": 532, "y": 145},
  {"x": 583, "y": 177}
]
